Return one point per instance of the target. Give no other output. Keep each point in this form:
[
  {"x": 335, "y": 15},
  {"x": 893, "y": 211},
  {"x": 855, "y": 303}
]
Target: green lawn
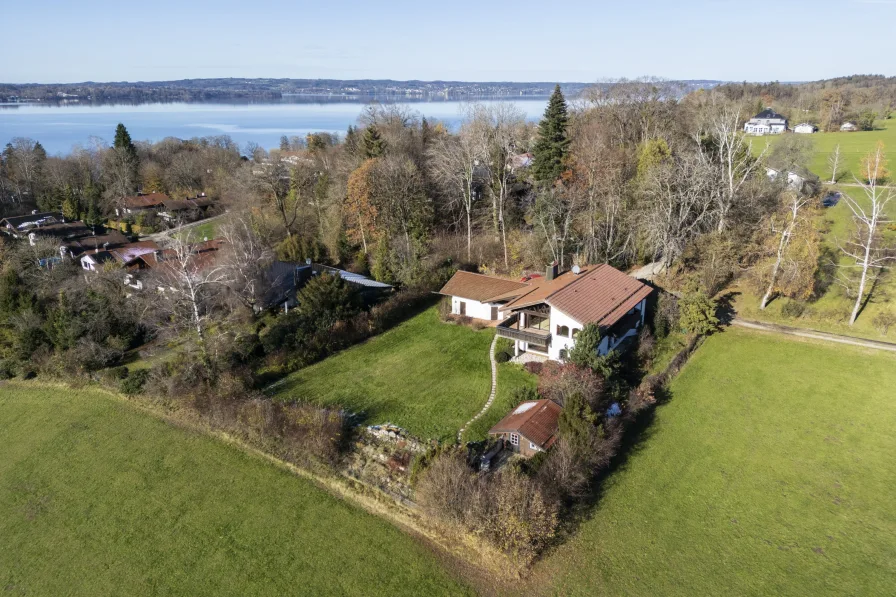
[
  {"x": 770, "y": 472},
  {"x": 98, "y": 498},
  {"x": 426, "y": 376},
  {"x": 853, "y": 147}
]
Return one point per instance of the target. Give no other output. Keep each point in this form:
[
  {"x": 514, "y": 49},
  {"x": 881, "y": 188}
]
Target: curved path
[{"x": 491, "y": 396}]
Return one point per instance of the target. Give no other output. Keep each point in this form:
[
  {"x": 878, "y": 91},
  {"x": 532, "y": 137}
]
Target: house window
[
  {"x": 563, "y": 330},
  {"x": 515, "y": 439},
  {"x": 563, "y": 354},
  {"x": 575, "y": 332},
  {"x": 533, "y": 446}
]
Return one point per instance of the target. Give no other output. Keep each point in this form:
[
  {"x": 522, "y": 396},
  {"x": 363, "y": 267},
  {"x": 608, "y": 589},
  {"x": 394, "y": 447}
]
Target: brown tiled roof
[
  {"x": 542, "y": 289},
  {"x": 538, "y": 423},
  {"x": 478, "y": 287},
  {"x": 602, "y": 295},
  {"x": 145, "y": 201}
]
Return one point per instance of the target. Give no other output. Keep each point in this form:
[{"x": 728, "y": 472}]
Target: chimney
[
  {"x": 105, "y": 246},
  {"x": 33, "y": 212},
  {"x": 157, "y": 254},
  {"x": 551, "y": 271}
]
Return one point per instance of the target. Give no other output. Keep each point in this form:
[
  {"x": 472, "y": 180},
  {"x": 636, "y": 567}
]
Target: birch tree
[
  {"x": 785, "y": 228},
  {"x": 867, "y": 248},
  {"x": 734, "y": 156},
  {"x": 834, "y": 162},
  {"x": 189, "y": 278},
  {"x": 454, "y": 160},
  {"x": 503, "y": 127}
]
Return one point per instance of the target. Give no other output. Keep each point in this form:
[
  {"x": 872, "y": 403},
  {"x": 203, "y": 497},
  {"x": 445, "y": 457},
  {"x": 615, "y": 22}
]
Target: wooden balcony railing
[{"x": 510, "y": 328}]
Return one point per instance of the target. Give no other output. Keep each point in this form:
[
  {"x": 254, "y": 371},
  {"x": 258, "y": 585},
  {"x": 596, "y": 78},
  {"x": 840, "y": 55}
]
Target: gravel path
[
  {"x": 491, "y": 396},
  {"x": 806, "y": 333}
]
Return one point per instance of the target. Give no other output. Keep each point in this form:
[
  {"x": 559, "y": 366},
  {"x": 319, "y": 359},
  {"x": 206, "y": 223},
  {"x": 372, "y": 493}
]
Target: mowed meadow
[
  {"x": 853, "y": 147},
  {"x": 769, "y": 471},
  {"x": 99, "y": 498}
]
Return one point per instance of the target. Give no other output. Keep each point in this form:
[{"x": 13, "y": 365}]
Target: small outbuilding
[
  {"x": 530, "y": 428},
  {"x": 849, "y": 127},
  {"x": 805, "y": 128}
]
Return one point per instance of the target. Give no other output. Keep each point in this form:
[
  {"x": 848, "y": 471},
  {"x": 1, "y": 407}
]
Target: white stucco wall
[
  {"x": 558, "y": 343},
  {"x": 475, "y": 309}
]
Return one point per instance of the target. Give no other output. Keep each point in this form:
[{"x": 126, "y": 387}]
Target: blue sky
[{"x": 577, "y": 40}]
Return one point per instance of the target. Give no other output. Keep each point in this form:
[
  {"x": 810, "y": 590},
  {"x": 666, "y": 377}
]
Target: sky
[{"x": 53, "y": 41}]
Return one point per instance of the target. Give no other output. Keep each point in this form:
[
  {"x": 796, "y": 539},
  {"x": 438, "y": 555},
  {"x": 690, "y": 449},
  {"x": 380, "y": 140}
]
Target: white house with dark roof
[
  {"x": 767, "y": 122},
  {"x": 543, "y": 315}
]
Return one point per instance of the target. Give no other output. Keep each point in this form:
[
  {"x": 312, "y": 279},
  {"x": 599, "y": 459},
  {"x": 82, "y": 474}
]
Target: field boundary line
[{"x": 814, "y": 334}]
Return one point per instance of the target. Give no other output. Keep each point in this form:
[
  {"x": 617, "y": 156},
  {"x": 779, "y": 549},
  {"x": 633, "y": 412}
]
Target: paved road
[{"x": 806, "y": 333}]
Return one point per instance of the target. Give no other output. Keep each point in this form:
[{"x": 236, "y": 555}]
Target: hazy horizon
[{"x": 101, "y": 40}]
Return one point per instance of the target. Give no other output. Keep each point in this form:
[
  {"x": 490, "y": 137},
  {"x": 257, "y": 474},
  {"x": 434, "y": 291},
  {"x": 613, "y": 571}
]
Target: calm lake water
[{"x": 60, "y": 127}]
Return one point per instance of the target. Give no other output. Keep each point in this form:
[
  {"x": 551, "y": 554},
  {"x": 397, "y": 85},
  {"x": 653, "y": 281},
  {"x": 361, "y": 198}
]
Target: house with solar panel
[
  {"x": 284, "y": 280},
  {"x": 543, "y": 314}
]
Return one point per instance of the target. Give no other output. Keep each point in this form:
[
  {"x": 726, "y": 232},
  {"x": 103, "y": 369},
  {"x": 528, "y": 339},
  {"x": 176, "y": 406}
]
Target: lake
[{"x": 60, "y": 127}]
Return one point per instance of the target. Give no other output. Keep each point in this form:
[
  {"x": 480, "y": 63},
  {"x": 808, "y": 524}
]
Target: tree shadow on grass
[
  {"x": 725, "y": 308},
  {"x": 634, "y": 439}
]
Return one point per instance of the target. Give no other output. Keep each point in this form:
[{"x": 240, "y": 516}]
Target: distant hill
[{"x": 239, "y": 88}]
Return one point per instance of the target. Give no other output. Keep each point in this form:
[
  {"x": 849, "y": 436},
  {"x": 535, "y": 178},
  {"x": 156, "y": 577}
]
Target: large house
[
  {"x": 767, "y": 122},
  {"x": 123, "y": 255},
  {"x": 530, "y": 428},
  {"x": 544, "y": 314}
]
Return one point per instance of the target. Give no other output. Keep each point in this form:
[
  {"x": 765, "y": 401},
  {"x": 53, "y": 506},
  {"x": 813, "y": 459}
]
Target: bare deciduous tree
[
  {"x": 834, "y": 162},
  {"x": 785, "y": 229},
  {"x": 867, "y": 247}
]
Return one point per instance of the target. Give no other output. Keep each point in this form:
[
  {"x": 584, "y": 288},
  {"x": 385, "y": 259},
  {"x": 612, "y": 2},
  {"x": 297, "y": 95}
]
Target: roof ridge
[{"x": 463, "y": 271}]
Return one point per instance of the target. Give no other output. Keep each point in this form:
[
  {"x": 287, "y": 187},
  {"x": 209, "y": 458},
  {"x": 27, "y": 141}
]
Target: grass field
[
  {"x": 853, "y": 147},
  {"x": 424, "y": 375},
  {"x": 97, "y": 498},
  {"x": 770, "y": 472}
]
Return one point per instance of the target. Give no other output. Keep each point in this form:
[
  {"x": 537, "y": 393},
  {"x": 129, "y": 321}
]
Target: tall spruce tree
[
  {"x": 372, "y": 144},
  {"x": 124, "y": 144},
  {"x": 553, "y": 141}
]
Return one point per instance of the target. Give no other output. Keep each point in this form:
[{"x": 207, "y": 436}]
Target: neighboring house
[
  {"x": 849, "y": 127},
  {"x": 20, "y": 226},
  {"x": 173, "y": 209},
  {"x": 798, "y": 178},
  {"x": 121, "y": 255},
  {"x": 543, "y": 315},
  {"x": 805, "y": 128},
  {"x": 285, "y": 279},
  {"x": 767, "y": 122},
  {"x": 530, "y": 428},
  {"x": 523, "y": 160},
  {"x": 150, "y": 202}
]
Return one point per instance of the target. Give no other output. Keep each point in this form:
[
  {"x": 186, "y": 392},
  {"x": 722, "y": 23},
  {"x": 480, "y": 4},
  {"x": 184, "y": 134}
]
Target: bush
[
  {"x": 445, "y": 309},
  {"x": 7, "y": 369},
  {"x": 534, "y": 367},
  {"x": 793, "y": 309},
  {"x": 665, "y": 316},
  {"x": 559, "y": 381},
  {"x": 134, "y": 383},
  {"x": 883, "y": 321},
  {"x": 478, "y": 324},
  {"x": 697, "y": 313},
  {"x": 502, "y": 357}
]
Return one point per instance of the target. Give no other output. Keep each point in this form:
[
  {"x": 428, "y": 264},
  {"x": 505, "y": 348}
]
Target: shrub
[
  {"x": 560, "y": 381},
  {"x": 463, "y": 320},
  {"x": 134, "y": 383},
  {"x": 883, "y": 321},
  {"x": 478, "y": 324},
  {"x": 665, "y": 316},
  {"x": 793, "y": 309},
  {"x": 7, "y": 369},
  {"x": 646, "y": 344},
  {"x": 502, "y": 357},
  {"x": 445, "y": 309},
  {"x": 697, "y": 313},
  {"x": 534, "y": 367}
]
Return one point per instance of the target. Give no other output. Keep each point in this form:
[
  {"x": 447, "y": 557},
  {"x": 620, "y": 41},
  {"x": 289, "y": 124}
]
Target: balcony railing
[{"x": 510, "y": 328}]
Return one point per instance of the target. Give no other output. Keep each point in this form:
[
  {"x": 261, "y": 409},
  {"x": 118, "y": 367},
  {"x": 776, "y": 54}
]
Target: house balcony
[{"x": 510, "y": 328}]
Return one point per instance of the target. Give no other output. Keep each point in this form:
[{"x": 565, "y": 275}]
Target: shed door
[
  {"x": 463, "y": 308},
  {"x": 494, "y": 313}
]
